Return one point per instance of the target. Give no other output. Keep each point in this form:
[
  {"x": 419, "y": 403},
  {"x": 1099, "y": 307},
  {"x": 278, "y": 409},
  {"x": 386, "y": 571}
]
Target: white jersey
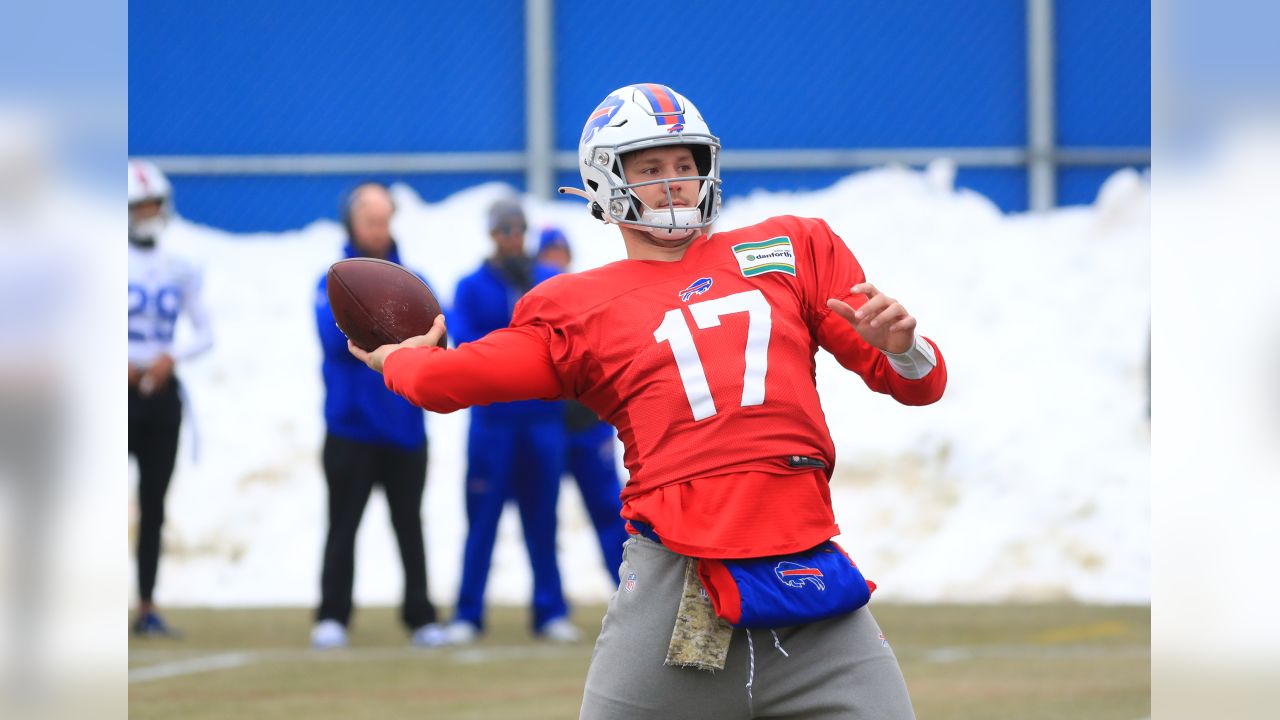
[{"x": 162, "y": 287}]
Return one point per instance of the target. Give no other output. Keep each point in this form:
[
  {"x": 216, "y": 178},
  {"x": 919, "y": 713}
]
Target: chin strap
[{"x": 668, "y": 233}]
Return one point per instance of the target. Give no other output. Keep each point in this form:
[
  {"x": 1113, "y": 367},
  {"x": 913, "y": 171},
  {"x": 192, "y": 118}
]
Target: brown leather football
[{"x": 377, "y": 303}]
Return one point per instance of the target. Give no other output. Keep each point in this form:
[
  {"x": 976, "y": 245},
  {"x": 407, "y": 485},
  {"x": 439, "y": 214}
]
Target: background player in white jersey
[{"x": 161, "y": 288}]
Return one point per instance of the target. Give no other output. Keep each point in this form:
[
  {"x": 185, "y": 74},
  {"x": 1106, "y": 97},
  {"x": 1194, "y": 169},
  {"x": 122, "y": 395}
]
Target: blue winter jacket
[
  {"x": 357, "y": 405},
  {"x": 484, "y": 302}
]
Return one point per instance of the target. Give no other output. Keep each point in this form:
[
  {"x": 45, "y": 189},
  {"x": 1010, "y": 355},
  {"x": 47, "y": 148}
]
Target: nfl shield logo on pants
[{"x": 630, "y": 583}]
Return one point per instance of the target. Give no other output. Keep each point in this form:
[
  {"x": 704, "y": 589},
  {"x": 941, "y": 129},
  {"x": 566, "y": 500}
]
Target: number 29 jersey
[
  {"x": 706, "y": 366},
  {"x": 163, "y": 287}
]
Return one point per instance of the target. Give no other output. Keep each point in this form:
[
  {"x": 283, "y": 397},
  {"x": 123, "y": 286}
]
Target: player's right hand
[{"x": 378, "y": 357}]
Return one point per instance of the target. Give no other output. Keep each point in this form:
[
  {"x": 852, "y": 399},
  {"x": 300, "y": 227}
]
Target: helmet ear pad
[
  {"x": 701, "y": 158},
  {"x": 597, "y": 212}
]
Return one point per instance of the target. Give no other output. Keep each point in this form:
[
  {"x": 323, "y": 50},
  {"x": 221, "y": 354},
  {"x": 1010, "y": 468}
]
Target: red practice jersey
[{"x": 706, "y": 367}]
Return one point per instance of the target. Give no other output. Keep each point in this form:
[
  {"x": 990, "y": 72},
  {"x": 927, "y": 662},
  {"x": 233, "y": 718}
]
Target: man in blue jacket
[
  {"x": 374, "y": 437},
  {"x": 591, "y": 459},
  {"x": 515, "y": 450}
]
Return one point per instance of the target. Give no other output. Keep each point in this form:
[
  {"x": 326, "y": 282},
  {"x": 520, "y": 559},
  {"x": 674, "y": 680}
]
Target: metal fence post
[
  {"x": 538, "y": 102},
  {"x": 1041, "y": 128}
]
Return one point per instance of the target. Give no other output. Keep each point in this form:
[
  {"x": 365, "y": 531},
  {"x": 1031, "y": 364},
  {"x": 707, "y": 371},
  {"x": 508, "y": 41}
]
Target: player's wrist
[{"x": 915, "y": 362}]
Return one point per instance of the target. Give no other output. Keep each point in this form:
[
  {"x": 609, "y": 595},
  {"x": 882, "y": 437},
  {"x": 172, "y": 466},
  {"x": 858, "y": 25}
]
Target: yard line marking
[
  {"x": 191, "y": 666},
  {"x": 455, "y": 655}
]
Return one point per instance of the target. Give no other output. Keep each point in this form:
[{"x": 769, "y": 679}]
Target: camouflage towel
[{"x": 700, "y": 639}]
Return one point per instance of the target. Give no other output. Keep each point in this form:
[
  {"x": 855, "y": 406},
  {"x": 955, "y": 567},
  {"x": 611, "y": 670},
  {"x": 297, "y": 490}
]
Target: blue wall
[
  {"x": 235, "y": 77},
  {"x": 244, "y": 76}
]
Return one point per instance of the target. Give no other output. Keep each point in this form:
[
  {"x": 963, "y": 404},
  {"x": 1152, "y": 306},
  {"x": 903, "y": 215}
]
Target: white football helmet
[
  {"x": 638, "y": 117},
  {"x": 147, "y": 183}
]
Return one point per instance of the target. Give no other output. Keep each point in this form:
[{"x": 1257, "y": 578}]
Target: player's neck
[{"x": 643, "y": 246}]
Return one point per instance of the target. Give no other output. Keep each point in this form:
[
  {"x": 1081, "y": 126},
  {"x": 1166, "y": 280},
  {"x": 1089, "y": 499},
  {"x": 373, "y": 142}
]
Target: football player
[
  {"x": 162, "y": 287},
  {"x": 700, "y": 349}
]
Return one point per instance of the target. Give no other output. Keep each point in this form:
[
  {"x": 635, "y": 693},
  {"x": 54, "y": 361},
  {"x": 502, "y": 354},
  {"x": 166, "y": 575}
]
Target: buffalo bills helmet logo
[
  {"x": 698, "y": 287},
  {"x": 601, "y": 117},
  {"x": 796, "y": 575}
]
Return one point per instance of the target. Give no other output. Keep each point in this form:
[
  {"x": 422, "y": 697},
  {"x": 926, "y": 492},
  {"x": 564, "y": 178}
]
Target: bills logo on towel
[{"x": 797, "y": 575}]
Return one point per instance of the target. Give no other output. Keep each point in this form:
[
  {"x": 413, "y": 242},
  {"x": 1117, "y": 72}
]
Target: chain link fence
[{"x": 265, "y": 115}]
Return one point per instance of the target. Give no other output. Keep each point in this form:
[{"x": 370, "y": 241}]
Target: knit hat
[
  {"x": 552, "y": 238},
  {"x": 505, "y": 211}
]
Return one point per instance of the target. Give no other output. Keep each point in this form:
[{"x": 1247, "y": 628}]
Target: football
[{"x": 376, "y": 302}]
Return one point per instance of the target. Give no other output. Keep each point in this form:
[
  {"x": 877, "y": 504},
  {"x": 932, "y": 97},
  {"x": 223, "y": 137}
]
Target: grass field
[{"x": 989, "y": 662}]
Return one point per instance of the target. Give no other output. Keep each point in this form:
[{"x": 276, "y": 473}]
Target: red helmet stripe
[
  {"x": 663, "y": 100},
  {"x": 142, "y": 177}
]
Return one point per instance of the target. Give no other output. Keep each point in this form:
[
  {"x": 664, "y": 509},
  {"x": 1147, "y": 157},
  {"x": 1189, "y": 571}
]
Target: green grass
[{"x": 988, "y": 662}]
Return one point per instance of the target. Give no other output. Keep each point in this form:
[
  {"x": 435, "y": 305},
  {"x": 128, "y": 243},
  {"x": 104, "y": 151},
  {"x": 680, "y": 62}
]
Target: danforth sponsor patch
[{"x": 766, "y": 256}]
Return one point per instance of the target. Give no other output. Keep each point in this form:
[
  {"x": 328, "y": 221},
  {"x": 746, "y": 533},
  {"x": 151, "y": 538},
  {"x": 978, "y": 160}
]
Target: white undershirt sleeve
[{"x": 916, "y": 362}]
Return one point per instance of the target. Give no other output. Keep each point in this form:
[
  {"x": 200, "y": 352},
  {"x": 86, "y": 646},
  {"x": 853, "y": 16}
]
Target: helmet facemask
[
  {"x": 625, "y": 207},
  {"x": 144, "y": 231}
]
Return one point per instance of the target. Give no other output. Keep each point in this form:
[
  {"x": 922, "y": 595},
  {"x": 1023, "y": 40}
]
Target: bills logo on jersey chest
[{"x": 697, "y": 287}]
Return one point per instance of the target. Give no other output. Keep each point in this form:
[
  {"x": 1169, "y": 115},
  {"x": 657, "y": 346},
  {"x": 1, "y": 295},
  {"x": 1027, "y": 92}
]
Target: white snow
[{"x": 1029, "y": 480}]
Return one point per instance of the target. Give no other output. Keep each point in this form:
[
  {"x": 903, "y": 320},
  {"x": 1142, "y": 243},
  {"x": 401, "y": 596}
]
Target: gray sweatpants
[{"x": 837, "y": 668}]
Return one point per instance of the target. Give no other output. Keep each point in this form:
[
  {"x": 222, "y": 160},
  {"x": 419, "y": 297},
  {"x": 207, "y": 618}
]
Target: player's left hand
[
  {"x": 881, "y": 320},
  {"x": 378, "y": 357}
]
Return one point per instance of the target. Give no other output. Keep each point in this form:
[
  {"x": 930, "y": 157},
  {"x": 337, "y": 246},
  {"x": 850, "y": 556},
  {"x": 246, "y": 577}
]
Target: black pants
[
  {"x": 351, "y": 470},
  {"x": 153, "y": 440}
]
